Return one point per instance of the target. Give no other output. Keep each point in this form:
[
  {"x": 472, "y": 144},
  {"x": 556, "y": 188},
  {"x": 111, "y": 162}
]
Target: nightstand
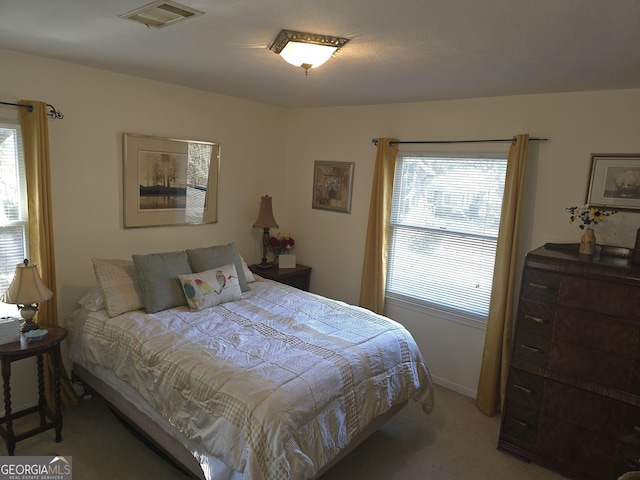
[
  {"x": 298, "y": 277},
  {"x": 11, "y": 352}
]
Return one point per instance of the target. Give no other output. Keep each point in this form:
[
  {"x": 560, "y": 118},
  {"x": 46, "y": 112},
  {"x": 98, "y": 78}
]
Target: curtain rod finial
[{"x": 374, "y": 141}]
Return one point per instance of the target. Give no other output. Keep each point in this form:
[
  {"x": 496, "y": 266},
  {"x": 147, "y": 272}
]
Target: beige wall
[
  {"x": 86, "y": 163},
  {"x": 576, "y": 124},
  {"x": 268, "y": 150}
]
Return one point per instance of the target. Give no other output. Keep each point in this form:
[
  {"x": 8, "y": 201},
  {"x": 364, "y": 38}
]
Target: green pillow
[
  {"x": 208, "y": 258},
  {"x": 159, "y": 275}
]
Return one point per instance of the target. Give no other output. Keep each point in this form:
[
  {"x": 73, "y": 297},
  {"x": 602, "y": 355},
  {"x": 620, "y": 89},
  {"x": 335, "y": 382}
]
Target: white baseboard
[{"x": 454, "y": 386}]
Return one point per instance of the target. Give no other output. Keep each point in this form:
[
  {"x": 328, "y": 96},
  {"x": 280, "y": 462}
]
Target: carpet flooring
[{"x": 455, "y": 441}]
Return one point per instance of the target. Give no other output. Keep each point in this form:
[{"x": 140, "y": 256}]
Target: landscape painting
[{"x": 169, "y": 182}]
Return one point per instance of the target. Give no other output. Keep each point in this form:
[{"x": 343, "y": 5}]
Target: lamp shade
[
  {"x": 298, "y": 53},
  {"x": 265, "y": 217},
  {"x": 27, "y": 287}
]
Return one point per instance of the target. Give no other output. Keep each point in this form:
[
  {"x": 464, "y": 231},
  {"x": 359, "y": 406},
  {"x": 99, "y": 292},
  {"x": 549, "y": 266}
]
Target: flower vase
[{"x": 588, "y": 242}]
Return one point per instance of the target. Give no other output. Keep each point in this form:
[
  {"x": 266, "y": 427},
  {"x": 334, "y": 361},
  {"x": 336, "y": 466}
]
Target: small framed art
[
  {"x": 332, "y": 185},
  {"x": 615, "y": 181}
]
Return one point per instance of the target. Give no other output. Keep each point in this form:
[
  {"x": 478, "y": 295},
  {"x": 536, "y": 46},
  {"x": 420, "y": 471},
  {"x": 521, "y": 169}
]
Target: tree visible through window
[
  {"x": 444, "y": 228},
  {"x": 13, "y": 205}
]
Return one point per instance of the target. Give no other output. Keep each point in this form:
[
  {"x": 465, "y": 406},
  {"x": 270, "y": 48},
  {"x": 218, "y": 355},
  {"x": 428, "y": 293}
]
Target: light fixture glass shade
[
  {"x": 265, "y": 217},
  {"x": 297, "y": 54},
  {"x": 306, "y": 50},
  {"x": 27, "y": 287}
]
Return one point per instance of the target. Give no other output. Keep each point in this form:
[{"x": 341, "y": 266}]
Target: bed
[{"x": 270, "y": 383}]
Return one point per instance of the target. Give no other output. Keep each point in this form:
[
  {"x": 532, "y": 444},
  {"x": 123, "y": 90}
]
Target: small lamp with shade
[
  {"x": 265, "y": 221},
  {"x": 26, "y": 291}
]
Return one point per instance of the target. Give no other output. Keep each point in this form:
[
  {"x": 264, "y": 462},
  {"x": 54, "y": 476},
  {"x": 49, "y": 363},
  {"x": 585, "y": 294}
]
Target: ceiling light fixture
[{"x": 306, "y": 50}]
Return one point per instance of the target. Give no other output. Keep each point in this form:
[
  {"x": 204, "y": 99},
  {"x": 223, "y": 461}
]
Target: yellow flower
[{"x": 588, "y": 215}]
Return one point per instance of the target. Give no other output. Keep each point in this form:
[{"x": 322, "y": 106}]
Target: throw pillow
[
  {"x": 159, "y": 275},
  {"x": 211, "y": 287}
]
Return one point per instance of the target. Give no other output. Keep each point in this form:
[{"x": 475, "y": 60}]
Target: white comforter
[{"x": 274, "y": 385}]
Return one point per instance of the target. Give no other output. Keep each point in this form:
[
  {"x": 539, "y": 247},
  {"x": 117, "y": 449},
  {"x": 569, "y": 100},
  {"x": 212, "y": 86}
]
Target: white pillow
[
  {"x": 248, "y": 274},
  {"x": 211, "y": 287},
  {"x": 92, "y": 300},
  {"x": 119, "y": 285}
]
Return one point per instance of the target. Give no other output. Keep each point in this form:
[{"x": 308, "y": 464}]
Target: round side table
[{"x": 11, "y": 352}]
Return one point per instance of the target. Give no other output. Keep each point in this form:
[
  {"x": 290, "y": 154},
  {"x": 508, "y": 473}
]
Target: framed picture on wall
[
  {"x": 615, "y": 181},
  {"x": 169, "y": 181},
  {"x": 332, "y": 185}
]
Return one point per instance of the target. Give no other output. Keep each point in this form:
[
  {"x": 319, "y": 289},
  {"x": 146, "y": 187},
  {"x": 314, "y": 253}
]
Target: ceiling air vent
[{"x": 161, "y": 13}]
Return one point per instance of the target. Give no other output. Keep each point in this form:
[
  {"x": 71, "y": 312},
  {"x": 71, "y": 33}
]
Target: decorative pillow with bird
[{"x": 211, "y": 287}]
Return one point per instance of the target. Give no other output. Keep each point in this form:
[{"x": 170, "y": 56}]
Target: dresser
[{"x": 573, "y": 394}]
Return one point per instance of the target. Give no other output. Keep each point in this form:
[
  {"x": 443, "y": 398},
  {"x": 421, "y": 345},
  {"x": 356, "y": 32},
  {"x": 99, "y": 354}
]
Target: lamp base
[
  {"x": 29, "y": 325},
  {"x": 27, "y": 312},
  {"x": 264, "y": 266}
]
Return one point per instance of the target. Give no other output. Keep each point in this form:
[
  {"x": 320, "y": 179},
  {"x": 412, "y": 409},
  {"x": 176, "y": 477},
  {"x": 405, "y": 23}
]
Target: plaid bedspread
[{"x": 274, "y": 385}]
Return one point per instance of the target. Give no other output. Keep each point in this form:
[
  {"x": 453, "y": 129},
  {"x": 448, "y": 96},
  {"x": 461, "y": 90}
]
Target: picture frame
[
  {"x": 332, "y": 186},
  {"x": 614, "y": 181},
  {"x": 169, "y": 181}
]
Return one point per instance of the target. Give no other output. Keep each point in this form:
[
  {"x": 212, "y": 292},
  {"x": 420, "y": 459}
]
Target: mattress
[{"x": 274, "y": 385}]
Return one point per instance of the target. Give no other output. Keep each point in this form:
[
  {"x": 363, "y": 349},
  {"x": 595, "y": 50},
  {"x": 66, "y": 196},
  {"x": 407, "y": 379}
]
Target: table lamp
[
  {"x": 26, "y": 291},
  {"x": 265, "y": 221}
]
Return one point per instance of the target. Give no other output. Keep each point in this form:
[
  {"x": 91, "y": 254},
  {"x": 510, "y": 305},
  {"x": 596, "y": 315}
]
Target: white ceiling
[{"x": 400, "y": 50}]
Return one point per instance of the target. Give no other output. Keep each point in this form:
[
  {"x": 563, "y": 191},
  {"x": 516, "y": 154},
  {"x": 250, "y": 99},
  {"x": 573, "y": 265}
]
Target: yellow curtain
[
  {"x": 35, "y": 140},
  {"x": 497, "y": 346},
  {"x": 376, "y": 249}
]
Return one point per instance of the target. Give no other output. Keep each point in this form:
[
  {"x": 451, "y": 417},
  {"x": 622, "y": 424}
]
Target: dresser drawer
[
  {"x": 537, "y": 318},
  {"x": 522, "y": 407},
  {"x": 582, "y": 452},
  {"x": 597, "y": 413},
  {"x": 600, "y": 332},
  {"x": 519, "y": 423},
  {"x": 540, "y": 286},
  {"x": 581, "y": 429},
  {"x": 591, "y": 365},
  {"x": 609, "y": 298},
  {"x": 525, "y": 388},
  {"x": 531, "y": 348}
]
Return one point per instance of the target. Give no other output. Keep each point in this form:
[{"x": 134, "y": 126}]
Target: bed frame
[{"x": 172, "y": 447}]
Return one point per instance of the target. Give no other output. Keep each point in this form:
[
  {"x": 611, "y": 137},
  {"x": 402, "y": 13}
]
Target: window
[
  {"x": 444, "y": 228},
  {"x": 13, "y": 204}
]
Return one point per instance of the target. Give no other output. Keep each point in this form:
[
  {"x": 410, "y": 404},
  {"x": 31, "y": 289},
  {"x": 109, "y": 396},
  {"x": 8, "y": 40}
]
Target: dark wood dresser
[{"x": 573, "y": 393}]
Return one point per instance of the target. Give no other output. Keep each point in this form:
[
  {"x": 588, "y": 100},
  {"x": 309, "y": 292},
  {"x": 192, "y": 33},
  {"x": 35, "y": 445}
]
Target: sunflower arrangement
[{"x": 588, "y": 215}]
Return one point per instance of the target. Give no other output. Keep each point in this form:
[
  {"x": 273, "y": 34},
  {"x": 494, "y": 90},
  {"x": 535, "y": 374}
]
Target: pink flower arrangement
[{"x": 281, "y": 243}]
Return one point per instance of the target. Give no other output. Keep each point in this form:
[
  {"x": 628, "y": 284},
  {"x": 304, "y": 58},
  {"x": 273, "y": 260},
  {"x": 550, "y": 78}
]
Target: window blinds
[{"x": 444, "y": 228}]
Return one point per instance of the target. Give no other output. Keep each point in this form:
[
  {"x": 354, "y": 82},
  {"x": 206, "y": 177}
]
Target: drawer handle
[
  {"x": 522, "y": 423},
  {"x": 535, "y": 319},
  {"x": 541, "y": 286},
  {"x": 531, "y": 349},
  {"x": 523, "y": 388}
]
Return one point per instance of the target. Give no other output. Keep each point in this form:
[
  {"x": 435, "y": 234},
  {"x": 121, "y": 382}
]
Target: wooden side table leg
[
  {"x": 55, "y": 357},
  {"x": 6, "y": 377},
  {"x": 41, "y": 398}
]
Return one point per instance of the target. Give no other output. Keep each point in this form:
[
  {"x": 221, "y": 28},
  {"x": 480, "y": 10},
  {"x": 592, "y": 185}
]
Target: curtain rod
[
  {"x": 53, "y": 113},
  {"x": 500, "y": 140}
]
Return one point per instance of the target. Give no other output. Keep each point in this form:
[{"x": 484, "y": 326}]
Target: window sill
[{"x": 468, "y": 320}]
